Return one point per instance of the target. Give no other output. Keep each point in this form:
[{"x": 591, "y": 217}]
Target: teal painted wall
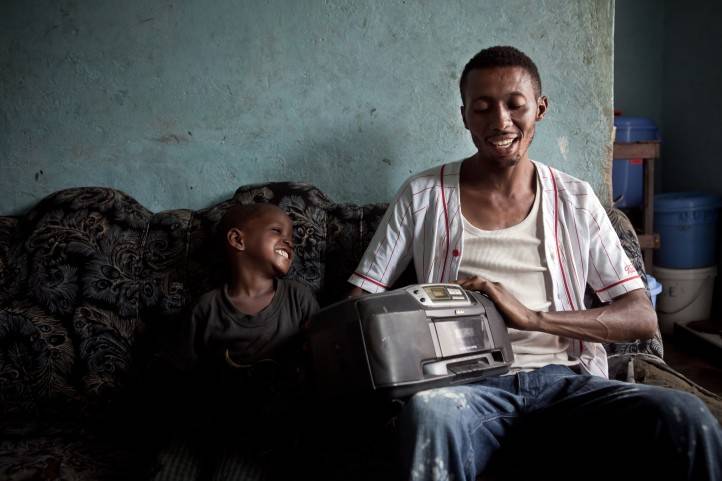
[
  {"x": 179, "y": 103},
  {"x": 692, "y": 104},
  {"x": 639, "y": 58}
]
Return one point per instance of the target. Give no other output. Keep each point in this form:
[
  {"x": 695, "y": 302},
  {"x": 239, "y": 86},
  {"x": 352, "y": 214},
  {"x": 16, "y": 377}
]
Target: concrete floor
[{"x": 699, "y": 357}]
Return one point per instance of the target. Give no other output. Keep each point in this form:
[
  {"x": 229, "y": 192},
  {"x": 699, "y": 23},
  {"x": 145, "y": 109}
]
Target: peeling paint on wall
[{"x": 563, "y": 143}]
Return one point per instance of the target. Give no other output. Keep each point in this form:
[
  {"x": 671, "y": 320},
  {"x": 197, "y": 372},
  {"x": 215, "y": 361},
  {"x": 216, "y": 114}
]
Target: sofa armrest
[{"x": 9, "y": 271}]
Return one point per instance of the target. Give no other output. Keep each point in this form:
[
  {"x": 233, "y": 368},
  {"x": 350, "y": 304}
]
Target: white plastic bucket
[{"x": 686, "y": 296}]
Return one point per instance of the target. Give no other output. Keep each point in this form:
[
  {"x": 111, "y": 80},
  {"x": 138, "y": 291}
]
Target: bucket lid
[
  {"x": 684, "y": 201},
  {"x": 622, "y": 122}
]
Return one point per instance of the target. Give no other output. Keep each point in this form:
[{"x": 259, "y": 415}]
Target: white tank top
[{"x": 514, "y": 258}]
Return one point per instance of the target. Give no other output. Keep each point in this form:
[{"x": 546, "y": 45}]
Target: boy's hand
[{"x": 515, "y": 313}]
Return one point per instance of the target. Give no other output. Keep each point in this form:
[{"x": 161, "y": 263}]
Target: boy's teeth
[{"x": 281, "y": 252}]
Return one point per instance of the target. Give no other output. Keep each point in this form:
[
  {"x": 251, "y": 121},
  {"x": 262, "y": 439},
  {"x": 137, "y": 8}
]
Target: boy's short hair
[
  {"x": 240, "y": 215},
  {"x": 501, "y": 56}
]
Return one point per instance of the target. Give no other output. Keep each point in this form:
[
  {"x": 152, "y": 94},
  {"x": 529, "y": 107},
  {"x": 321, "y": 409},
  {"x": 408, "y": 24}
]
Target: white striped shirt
[{"x": 580, "y": 245}]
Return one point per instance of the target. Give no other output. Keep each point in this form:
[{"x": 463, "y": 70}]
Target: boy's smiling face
[{"x": 268, "y": 241}]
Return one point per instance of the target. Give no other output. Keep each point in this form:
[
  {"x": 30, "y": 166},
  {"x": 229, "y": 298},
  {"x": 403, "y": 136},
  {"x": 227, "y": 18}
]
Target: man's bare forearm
[
  {"x": 627, "y": 318},
  {"x": 356, "y": 292}
]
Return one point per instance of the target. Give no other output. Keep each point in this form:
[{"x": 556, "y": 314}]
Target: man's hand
[
  {"x": 515, "y": 313},
  {"x": 629, "y": 316}
]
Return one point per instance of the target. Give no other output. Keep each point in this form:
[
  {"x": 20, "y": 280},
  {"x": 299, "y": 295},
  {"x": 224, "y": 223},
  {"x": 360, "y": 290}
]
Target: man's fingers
[{"x": 472, "y": 281}]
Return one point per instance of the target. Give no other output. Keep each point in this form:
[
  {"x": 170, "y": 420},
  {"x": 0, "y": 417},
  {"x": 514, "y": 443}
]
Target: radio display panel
[{"x": 437, "y": 293}]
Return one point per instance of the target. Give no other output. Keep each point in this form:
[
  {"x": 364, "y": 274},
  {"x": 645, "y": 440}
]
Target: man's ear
[
  {"x": 463, "y": 116},
  {"x": 234, "y": 236},
  {"x": 542, "y": 104}
]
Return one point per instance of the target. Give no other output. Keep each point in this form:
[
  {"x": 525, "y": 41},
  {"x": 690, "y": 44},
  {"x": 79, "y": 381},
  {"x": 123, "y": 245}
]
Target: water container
[
  {"x": 628, "y": 183},
  {"x": 628, "y": 174},
  {"x": 687, "y": 227},
  {"x": 654, "y": 289},
  {"x": 635, "y": 129},
  {"x": 687, "y": 295}
]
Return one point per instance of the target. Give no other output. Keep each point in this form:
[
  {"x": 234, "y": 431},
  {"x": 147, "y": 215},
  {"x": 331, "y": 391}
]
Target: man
[{"x": 531, "y": 238}]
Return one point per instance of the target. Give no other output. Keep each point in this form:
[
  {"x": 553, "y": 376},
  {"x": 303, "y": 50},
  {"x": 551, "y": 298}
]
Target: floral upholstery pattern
[
  {"x": 92, "y": 284},
  {"x": 630, "y": 243}
]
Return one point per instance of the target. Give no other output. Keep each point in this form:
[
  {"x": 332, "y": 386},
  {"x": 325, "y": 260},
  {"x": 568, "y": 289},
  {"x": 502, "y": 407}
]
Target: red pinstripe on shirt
[
  {"x": 604, "y": 246},
  {"x": 373, "y": 281},
  {"x": 446, "y": 222},
  {"x": 556, "y": 238},
  {"x": 617, "y": 283}
]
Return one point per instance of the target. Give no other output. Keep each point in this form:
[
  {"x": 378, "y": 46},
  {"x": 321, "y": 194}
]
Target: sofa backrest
[{"x": 88, "y": 272}]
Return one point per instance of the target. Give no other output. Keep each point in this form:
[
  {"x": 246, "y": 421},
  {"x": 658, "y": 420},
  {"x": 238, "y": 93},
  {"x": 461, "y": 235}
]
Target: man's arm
[
  {"x": 357, "y": 292},
  {"x": 391, "y": 246},
  {"x": 629, "y": 317}
]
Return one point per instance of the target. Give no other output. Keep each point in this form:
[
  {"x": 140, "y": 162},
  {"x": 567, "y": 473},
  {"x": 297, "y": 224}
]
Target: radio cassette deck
[{"x": 407, "y": 340}]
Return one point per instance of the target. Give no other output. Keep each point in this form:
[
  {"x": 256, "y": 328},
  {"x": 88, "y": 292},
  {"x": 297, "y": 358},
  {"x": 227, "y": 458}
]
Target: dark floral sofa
[{"x": 93, "y": 286}]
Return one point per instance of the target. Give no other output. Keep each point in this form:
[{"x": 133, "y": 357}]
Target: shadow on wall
[{"x": 22, "y": 209}]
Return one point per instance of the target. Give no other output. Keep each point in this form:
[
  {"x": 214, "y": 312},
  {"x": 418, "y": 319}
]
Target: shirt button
[{"x": 455, "y": 253}]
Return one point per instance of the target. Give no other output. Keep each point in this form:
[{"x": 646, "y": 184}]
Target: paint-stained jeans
[{"x": 552, "y": 423}]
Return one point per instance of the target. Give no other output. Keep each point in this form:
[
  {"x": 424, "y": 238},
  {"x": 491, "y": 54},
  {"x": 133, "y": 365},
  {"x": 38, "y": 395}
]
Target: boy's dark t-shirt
[{"x": 258, "y": 398}]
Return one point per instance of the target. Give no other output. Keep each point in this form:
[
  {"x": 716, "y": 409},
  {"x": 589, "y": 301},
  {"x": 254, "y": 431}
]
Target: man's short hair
[{"x": 501, "y": 56}]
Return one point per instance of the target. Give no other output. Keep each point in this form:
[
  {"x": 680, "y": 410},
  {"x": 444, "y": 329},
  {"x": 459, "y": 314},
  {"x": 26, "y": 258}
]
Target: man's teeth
[
  {"x": 282, "y": 253},
  {"x": 502, "y": 143}
]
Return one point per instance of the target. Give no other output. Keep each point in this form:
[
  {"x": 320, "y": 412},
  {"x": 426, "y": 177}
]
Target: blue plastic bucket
[
  {"x": 628, "y": 174},
  {"x": 687, "y": 227},
  {"x": 628, "y": 183},
  {"x": 635, "y": 129},
  {"x": 655, "y": 288}
]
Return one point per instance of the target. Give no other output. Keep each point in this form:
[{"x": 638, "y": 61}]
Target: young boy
[{"x": 243, "y": 346}]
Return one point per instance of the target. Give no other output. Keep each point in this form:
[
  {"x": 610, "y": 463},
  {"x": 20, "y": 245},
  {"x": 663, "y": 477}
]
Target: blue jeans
[{"x": 552, "y": 423}]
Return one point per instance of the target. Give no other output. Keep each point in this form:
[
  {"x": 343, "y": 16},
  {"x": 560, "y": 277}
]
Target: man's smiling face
[{"x": 501, "y": 109}]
